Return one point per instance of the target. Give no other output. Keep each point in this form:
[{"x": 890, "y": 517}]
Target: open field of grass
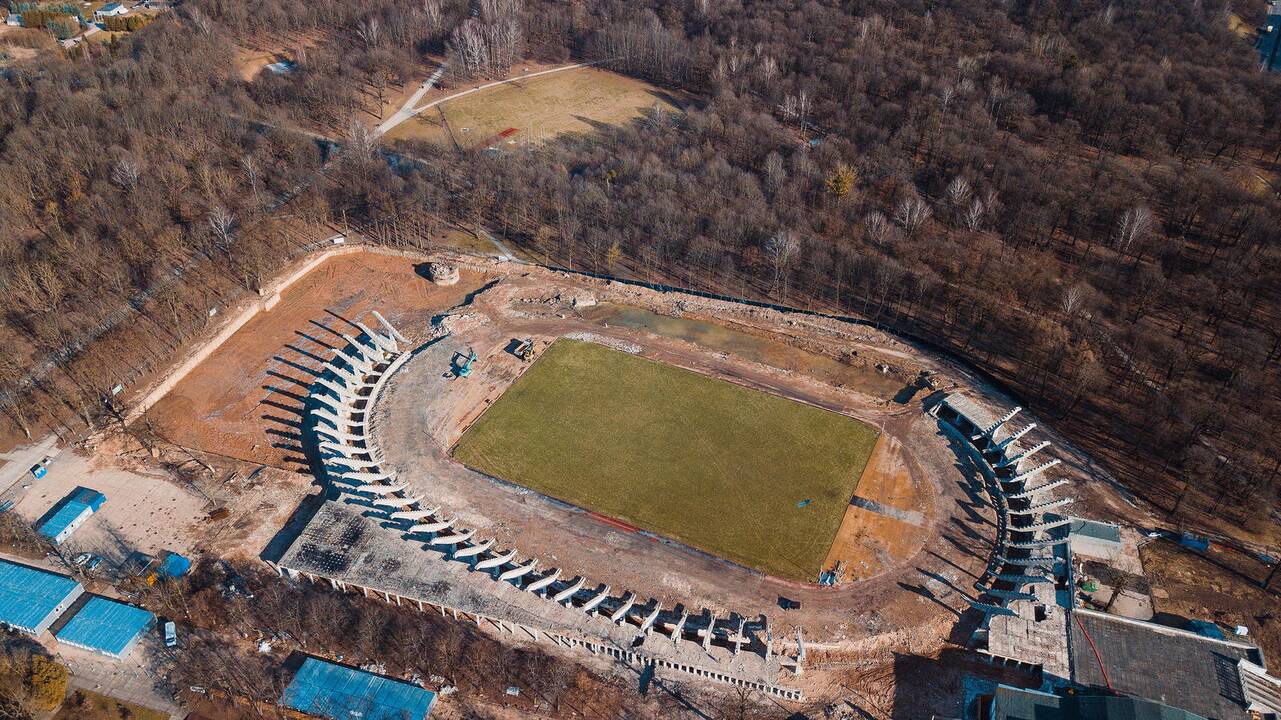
[
  {"x": 537, "y": 109},
  {"x": 717, "y": 466}
]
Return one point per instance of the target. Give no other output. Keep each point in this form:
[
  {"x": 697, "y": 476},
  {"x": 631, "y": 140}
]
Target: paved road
[{"x": 407, "y": 110}]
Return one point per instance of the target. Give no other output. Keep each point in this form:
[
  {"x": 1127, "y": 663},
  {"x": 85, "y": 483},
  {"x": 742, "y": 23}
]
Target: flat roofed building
[
  {"x": 342, "y": 693},
  {"x": 1010, "y": 703},
  {"x": 32, "y": 599},
  {"x": 70, "y": 513},
  {"x": 1175, "y": 667},
  {"x": 1094, "y": 539},
  {"x": 106, "y": 627}
]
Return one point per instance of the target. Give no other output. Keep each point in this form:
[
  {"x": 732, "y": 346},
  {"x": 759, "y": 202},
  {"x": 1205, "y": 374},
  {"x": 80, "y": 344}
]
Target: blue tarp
[
  {"x": 174, "y": 565},
  {"x": 29, "y": 596},
  {"x": 1205, "y": 628},
  {"x": 69, "y": 510},
  {"x": 105, "y": 626},
  {"x": 342, "y": 693}
]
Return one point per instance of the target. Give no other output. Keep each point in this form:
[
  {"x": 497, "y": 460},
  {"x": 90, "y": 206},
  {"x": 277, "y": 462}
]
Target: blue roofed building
[
  {"x": 107, "y": 627},
  {"x": 70, "y": 513},
  {"x": 32, "y": 599},
  {"x": 174, "y": 565},
  {"x": 338, "y": 692}
]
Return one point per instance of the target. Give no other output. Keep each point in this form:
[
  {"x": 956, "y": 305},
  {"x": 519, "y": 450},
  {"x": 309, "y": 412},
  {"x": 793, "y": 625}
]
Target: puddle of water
[{"x": 749, "y": 347}]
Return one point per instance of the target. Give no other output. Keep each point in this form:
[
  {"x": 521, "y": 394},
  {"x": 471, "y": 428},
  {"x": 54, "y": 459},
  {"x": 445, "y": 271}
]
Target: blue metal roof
[
  {"x": 174, "y": 565},
  {"x": 69, "y": 509},
  {"x": 105, "y": 625},
  {"x": 29, "y": 595},
  {"x": 342, "y": 693}
]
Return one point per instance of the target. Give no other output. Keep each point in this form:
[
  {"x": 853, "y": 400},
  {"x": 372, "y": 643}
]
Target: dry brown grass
[{"x": 538, "y": 109}]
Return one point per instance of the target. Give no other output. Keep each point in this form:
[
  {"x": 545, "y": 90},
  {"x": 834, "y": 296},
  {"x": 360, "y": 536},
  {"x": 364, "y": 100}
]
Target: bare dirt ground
[
  {"x": 872, "y": 540},
  {"x": 144, "y": 511},
  {"x": 1188, "y": 585},
  {"x": 258, "y": 53},
  {"x": 244, "y": 402}
]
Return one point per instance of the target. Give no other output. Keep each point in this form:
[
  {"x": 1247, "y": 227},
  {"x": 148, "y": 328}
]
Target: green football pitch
[{"x": 741, "y": 474}]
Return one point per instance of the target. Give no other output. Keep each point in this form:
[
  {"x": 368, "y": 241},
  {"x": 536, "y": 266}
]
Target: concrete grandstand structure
[
  {"x": 343, "y": 403},
  {"x": 1025, "y": 594}
]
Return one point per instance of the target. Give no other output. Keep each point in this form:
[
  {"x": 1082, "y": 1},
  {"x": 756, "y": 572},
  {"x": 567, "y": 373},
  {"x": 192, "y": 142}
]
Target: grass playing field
[
  {"x": 536, "y": 109},
  {"x": 715, "y": 465}
]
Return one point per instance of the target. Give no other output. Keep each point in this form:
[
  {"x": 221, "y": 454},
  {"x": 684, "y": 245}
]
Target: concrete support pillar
[
  {"x": 341, "y": 449},
  {"x": 369, "y": 477},
  {"x": 621, "y": 612},
  {"x": 474, "y": 550},
  {"x": 679, "y": 629},
  {"x": 373, "y": 489},
  {"x": 518, "y": 571},
  {"x": 496, "y": 561},
  {"x": 433, "y": 527},
  {"x": 596, "y": 600},
  {"x": 1015, "y": 437},
  {"x": 648, "y": 622},
  {"x": 386, "y": 344},
  {"x": 1024, "y": 477},
  {"x": 355, "y": 362},
  {"x": 990, "y": 430},
  {"x": 569, "y": 591},
  {"x": 338, "y": 434},
  {"x": 544, "y": 581},
  {"x": 711, "y": 630},
  {"x": 415, "y": 515},
  {"x": 396, "y": 502},
  {"x": 1015, "y": 460},
  {"x": 456, "y": 538},
  {"x": 392, "y": 331}
]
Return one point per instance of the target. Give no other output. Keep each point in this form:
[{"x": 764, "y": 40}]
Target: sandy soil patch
[
  {"x": 245, "y": 401},
  {"x": 869, "y": 541}
]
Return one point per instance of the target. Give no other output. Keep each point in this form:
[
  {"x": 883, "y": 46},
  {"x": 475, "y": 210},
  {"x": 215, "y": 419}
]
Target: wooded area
[{"x": 1077, "y": 196}]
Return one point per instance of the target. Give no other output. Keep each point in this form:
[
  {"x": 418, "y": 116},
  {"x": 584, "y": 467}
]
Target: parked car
[{"x": 171, "y": 634}]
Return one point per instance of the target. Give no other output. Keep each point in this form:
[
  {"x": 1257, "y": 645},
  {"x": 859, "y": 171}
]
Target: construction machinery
[
  {"x": 525, "y": 349},
  {"x": 463, "y": 363}
]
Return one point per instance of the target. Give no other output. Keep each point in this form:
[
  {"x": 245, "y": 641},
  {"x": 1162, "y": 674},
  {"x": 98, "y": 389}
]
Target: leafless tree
[
  {"x": 775, "y": 172},
  {"x": 1073, "y": 296},
  {"x": 877, "y": 226},
  {"x": 973, "y": 216},
  {"x": 201, "y": 21},
  {"x": 370, "y": 31},
  {"x": 361, "y": 140},
  {"x": 912, "y": 213},
  {"x": 1134, "y": 225},
  {"x": 433, "y": 17},
  {"x": 958, "y": 191},
  {"x": 125, "y": 174},
  {"x": 222, "y": 225},
  {"x": 250, "y": 166},
  {"x": 782, "y": 248}
]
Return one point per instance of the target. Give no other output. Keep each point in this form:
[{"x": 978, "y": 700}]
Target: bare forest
[{"x": 1078, "y": 197}]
